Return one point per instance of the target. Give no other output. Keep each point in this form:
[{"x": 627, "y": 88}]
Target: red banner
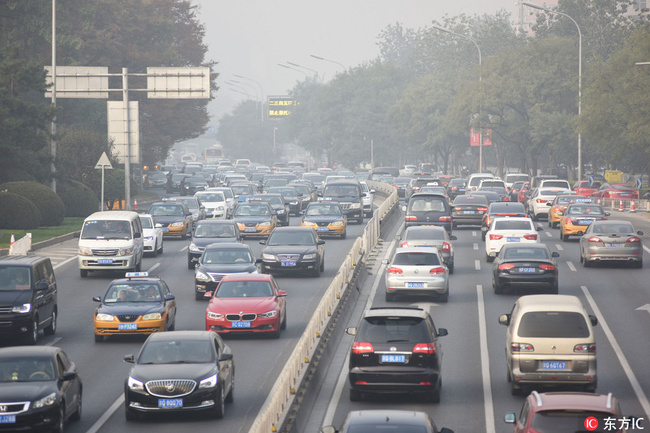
[{"x": 475, "y": 138}]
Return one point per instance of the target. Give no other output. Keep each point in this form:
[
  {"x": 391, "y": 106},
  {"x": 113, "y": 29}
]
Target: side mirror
[
  {"x": 225, "y": 357},
  {"x": 640, "y": 233},
  {"x": 555, "y": 254},
  {"x": 510, "y": 418},
  {"x": 403, "y": 208},
  {"x": 504, "y": 319},
  {"x": 97, "y": 299},
  {"x": 129, "y": 358},
  {"x": 384, "y": 262},
  {"x": 442, "y": 332},
  {"x": 158, "y": 226},
  {"x": 281, "y": 293},
  {"x": 398, "y": 237},
  {"x": 263, "y": 242},
  {"x": 593, "y": 319},
  {"x": 170, "y": 297},
  {"x": 41, "y": 285},
  {"x": 207, "y": 295},
  {"x": 137, "y": 235},
  {"x": 606, "y": 213},
  {"x": 351, "y": 331},
  {"x": 453, "y": 238},
  {"x": 549, "y": 203},
  {"x": 69, "y": 375},
  {"x": 328, "y": 429},
  {"x": 320, "y": 242}
]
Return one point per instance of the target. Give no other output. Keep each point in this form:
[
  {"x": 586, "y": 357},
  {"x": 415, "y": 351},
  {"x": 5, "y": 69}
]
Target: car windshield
[
  {"x": 553, "y": 324},
  {"x": 166, "y": 210},
  {"x": 252, "y": 210},
  {"x": 106, "y": 229},
  {"x": 207, "y": 230},
  {"x": 569, "y": 421},
  {"x": 26, "y": 369},
  {"x": 416, "y": 259},
  {"x": 241, "y": 189},
  {"x": 393, "y": 329},
  {"x": 244, "y": 289},
  {"x": 619, "y": 186},
  {"x": 210, "y": 197},
  {"x": 133, "y": 292},
  {"x": 341, "y": 191},
  {"x": 584, "y": 210},
  {"x": 229, "y": 256},
  {"x": 177, "y": 352},
  {"x": 14, "y": 278},
  {"x": 323, "y": 210},
  {"x": 301, "y": 237},
  {"x": 146, "y": 222}
]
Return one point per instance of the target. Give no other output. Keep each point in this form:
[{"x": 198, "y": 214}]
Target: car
[
  {"x": 154, "y": 179},
  {"x": 430, "y": 236},
  {"x": 152, "y": 235},
  {"x": 218, "y": 260},
  {"x": 291, "y": 196},
  {"x": 193, "y": 204},
  {"x": 513, "y": 190},
  {"x": 327, "y": 218},
  {"x": 616, "y": 191},
  {"x": 456, "y": 187},
  {"x": 491, "y": 183},
  {"x": 417, "y": 271},
  {"x": 180, "y": 371},
  {"x": 536, "y": 181},
  {"x": 396, "y": 350},
  {"x": 586, "y": 188},
  {"x": 554, "y": 183},
  {"x": 304, "y": 193},
  {"x": 255, "y": 218},
  {"x": 417, "y": 183},
  {"x": 567, "y": 412},
  {"x": 468, "y": 210},
  {"x": 536, "y": 205},
  {"x": 210, "y": 231},
  {"x": 400, "y": 184},
  {"x": 245, "y": 304},
  {"x": 523, "y": 193},
  {"x": 511, "y": 178},
  {"x": 474, "y": 180},
  {"x": 578, "y": 216},
  {"x": 501, "y": 192},
  {"x": 40, "y": 389},
  {"x": 368, "y": 198},
  {"x": 174, "y": 182},
  {"x": 293, "y": 250},
  {"x": 136, "y": 305},
  {"x": 174, "y": 217},
  {"x": 503, "y": 230},
  {"x": 501, "y": 210},
  {"x": 28, "y": 297},
  {"x": 612, "y": 241},
  {"x": 349, "y": 194},
  {"x": 372, "y": 420},
  {"x": 492, "y": 196},
  {"x": 428, "y": 209},
  {"x": 525, "y": 265},
  {"x": 435, "y": 190},
  {"x": 243, "y": 190},
  {"x": 230, "y": 198},
  {"x": 559, "y": 204},
  {"x": 279, "y": 205},
  {"x": 550, "y": 341},
  {"x": 191, "y": 184},
  {"x": 213, "y": 202}
]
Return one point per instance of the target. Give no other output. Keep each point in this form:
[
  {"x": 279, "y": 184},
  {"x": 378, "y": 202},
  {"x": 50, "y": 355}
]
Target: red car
[
  {"x": 522, "y": 192},
  {"x": 583, "y": 188},
  {"x": 247, "y": 303},
  {"x": 567, "y": 412},
  {"x": 617, "y": 191}
]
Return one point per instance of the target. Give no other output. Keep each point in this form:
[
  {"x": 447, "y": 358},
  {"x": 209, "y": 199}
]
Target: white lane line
[
  {"x": 490, "y": 426},
  {"x": 477, "y": 265},
  {"x": 53, "y": 342},
  {"x": 646, "y": 249},
  {"x": 58, "y": 265},
  {"x": 474, "y": 233},
  {"x": 636, "y": 386},
  {"x": 570, "y": 265},
  {"x": 102, "y": 419},
  {"x": 184, "y": 248},
  {"x": 559, "y": 247},
  {"x": 549, "y": 234},
  {"x": 475, "y": 247},
  {"x": 154, "y": 266}
]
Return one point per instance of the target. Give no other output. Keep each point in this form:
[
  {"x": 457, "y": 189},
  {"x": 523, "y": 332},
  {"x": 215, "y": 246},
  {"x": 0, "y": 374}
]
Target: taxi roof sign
[{"x": 136, "y": 274}]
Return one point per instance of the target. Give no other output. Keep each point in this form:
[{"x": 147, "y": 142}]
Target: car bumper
[
  {"x": 432, "y": 286},
  {"x": 524, "y": 371},
  {"x": 145, "y": 327},
  {"x": 33, "y": 420},
  {"x": 257, "y": 326},
  {"x": 387, "y": 380},
  {"x": 613, "y": 254},
  {"x": 255, "y": 231},
  {"x": 91, "y": 263},
  {"x": 277, "y": 267},
  {"x": 15, "y": 325},
  {"x": 147, "y": 403},
  {"x": 504, "y": 279},
  {"x": 175, "y": 231}
]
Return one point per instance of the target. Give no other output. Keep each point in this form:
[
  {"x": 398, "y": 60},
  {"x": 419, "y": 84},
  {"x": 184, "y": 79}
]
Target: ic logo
[{"x": 591, "y": 423}]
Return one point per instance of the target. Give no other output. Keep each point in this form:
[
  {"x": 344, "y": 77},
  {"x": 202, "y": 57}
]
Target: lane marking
[
  {"x": 549, "y": 234},
  {"x": 474, "y": 233},
  {"x": 570, "y": 265},
  {"x": 646, "y": 249},
  {"x": 184, "y": 248},
  {"x": 53, "y": 342},
  {"x": 559, "y": 247},
  {"x": 65, "y": 262},
  {"x": 106, "y": 415},
  {"x": 477, "y": 265},
  {"x": 475, "y": 247},
  {"x": 490, "y": 426},
  {"x": 154, "y": 266},
  {"x": 636, "y": 386}
]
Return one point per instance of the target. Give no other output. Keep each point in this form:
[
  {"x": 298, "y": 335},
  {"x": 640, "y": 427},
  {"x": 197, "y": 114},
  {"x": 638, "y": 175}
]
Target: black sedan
[
  {"x": 222, "y": 259},
  {"x": 525, "y": 265},
  {"x": 278, "y": 203},
  {"x": 292, "y": 250},
  {"x": 468, "y": 210},
  {"x": 180, "y": 371},
  {"x": 40, "y": 389},
  {"x": 192, "y": 184},
  {"x": 389, "y": 420},
  {"x": 210, "y": 231}
]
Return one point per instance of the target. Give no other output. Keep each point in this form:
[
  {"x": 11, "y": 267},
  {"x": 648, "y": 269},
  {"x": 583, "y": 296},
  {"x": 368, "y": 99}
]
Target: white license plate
[
  {"x": 416, "y": 285},
  {"x": 170, "y": 402},
  {"x": 401, "y": 359},
  {"x": 527, "y": 270},
  {"x": 7, "y": 419},
  {"x": 611, "y": 245},
  {"x": 241, "y": 324},
  {"x": 513, "y": 240},
  {"x": 287, "y": 263},
  {"x": 105, "y": 261},
  {"x": 553, "y": 365},
  {"x": 127, "y": 326}
]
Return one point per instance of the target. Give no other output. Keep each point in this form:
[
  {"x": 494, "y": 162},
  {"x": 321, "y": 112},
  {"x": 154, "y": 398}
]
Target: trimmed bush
[
  {"x": 78, "y": 199},
  {"x": 18, "y": 212},
  {"x": 49, "y": 204}
]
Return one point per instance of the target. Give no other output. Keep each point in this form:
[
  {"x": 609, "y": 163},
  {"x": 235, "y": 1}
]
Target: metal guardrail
[
  {"x": 626, "y": 205},
  {"x": 276, "y": 406}
]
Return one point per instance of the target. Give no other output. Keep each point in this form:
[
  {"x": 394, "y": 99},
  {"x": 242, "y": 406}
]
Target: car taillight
[
  {"x": 445, "y": 218},
  {"x": 585, "y": 348},
  {"x": 521, "y": 347},
  {"x": 506, "y": 198},
  {"x": 547, "y": 267},
  {"x": 359, "y": 347},
  {"x": 495, "y": 237},
  {"x": 531, "y": 237},
  {"x": 446, "y": 246},
  {"x": 410, "y": 218},
  {"x": 437, "y": 271},
  {"x": 633, "y": 240},
  {"x": 457, "y": 208},
  {"x": 506, "y": 267},
  {"x": 394, "y": 270},
  {"x": 429, "y": 348},
  {"x": 481, "y": 209},
  {"x": 594, "y": 239},
  {"x": 541, "y": 200}
]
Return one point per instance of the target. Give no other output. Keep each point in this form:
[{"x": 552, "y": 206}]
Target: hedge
[
  {"x": 18, "y": 212},
  {"x": 49, "y": 204},
  {"x": 78, "y": 199}
]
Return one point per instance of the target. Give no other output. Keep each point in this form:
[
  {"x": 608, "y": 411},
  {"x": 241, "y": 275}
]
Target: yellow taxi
[
  {"x": 559, "y": 205},
  {"x": 174, "y": 217},
  {"x": 326, "y": 217},
  {"x": 255, "y": 218},
  {"x": 577, "y": 218},
  {"x": 136, "y": 304}
]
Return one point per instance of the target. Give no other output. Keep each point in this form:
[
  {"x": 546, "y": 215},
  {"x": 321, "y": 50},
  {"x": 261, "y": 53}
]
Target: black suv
[
  {"x": 396, "y": 350},
  {"x": 28, "y": 297},
  {"x": 426, "y": 209},
  {"x": 293, "y": 249}
]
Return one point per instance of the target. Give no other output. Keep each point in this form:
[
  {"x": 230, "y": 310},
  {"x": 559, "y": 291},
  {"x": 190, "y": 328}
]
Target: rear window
[
  {"x": 416, "y": 259},
  {"x": 512, "y": 225},
  {"x": 427, "y": 204},
  {"x": 553, "y": 324},
  {"x": 555, "y": 183},
  {"x": 525, "y": 253},
  {"x": 511, "y": 208},
  {"x": 470, "y": 199},
  {"x": 393, "y": 329},
  {"x": 436, "y": 235},
  {"x": 516, "y": 177}
]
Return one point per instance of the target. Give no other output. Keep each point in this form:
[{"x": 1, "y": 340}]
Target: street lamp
[
  {"x": 289, "y": 67},
  {"x": 327, "y": 60},
  {"x": 480, "y": 79},
  {"x": 261, "y": 93},
  {"x": 242, "y": 90},
  {"x": 304, "y": 67},
  {"x": 535, "y": 6}
]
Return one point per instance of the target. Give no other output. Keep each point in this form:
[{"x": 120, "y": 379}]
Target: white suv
[
  {"x": 368, "y": 198},
  {"x": 536, "y": 205}
]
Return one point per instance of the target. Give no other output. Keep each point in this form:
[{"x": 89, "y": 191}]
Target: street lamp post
[
  {"x": 295, "y": 69},
  {"x": 535, "y": 6},
  {"x": 328, "y": 60},
  {"x": 480, "y": 80},
  {"x": 53, "y": 127},
  {"x": 304, "y": 67},
  {"x": 261, "y": 93}
]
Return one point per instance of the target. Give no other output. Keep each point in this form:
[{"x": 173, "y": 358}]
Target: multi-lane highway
[{"x": 475, "y": 392}]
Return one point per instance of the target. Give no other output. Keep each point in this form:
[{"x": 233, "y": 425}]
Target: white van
[{"x": 111, "y": 240}]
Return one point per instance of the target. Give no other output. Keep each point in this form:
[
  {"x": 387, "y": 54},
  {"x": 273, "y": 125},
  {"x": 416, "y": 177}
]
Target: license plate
[
  {"x": 553, "y": 365},
  {"x": 624, "y": 194},
  {"x": 527, "y": 270},
  {"x": 127, "y": 326},
  {"x": 323, "y": 229},
  {"x": 250, "y": 230},
  {"x": 401, "y": 359},
  {"x": 104, "y": 261},
  {"x": 241, "y": 324},
  {"x": 469, "y": 212},
  {"x": 165, "y": 230},
  {"x": 611, "y": 245},
  {"x": 513, "y": 240},
  {"x": 416, "y": 285},
  {"x": 287, "y": 263},
  {"x": 584, "y": 222},
  {"x": 170, "y": 402},
  {"x": 7, "y": 419}
]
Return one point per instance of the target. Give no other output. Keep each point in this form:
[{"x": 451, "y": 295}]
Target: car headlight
[
  {"x": 338, "y": 223},
  {"x": 269, "y": 257},
  {"x": 355, "y": 205},
  {"x": 309, "y": 224},
  {"x": 135, "y": 385},
  {"x": 85, "y": 251},
  {"x": 268, "y": 314},
  {"x": 208, "y": 382},
  {"x": 201, "y": 276},
  {"x": 148, "y": 238},
  {"x": 309, "y": 256},
  {"x": 48, "y": 400},
  {"x": 152, "y": 316},
  {"x": 215, "y": 316},
  {"x": 265, "y": 224},
  {"x": 293, "y": 203},
  {"x": 177, "y": 224},
  {"x": 219, "y": 207},
  {"x": 194, "y": 248},
  {"x": 25, "y": 308},
  {"x": 126, "y": 251},
  {"x": 280, "y": 211},
  {"x": 103, "y": 317}
]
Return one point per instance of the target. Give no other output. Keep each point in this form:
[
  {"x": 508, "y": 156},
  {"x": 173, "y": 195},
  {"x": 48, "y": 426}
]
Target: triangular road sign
[{"x": 104, "y": 162}]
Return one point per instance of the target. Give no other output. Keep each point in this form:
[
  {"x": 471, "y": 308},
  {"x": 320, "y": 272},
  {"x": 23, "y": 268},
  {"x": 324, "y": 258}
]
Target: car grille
[
  {"x": 250, "y": 224},
  {"x": 105, "y": 253},
  {"x": 345, "y": 205},
  {"x": 127, "y": 317},
  {"x": 170, "y": 387},
  {"x": 288, "y": 257},
  {"x": 215, "y": 277},
  {"x": 325, "y": 224},
  {"x": 248, "y": 317},
  {"x": 5, "y": 309},
  {"x": 14, "y": 407}
]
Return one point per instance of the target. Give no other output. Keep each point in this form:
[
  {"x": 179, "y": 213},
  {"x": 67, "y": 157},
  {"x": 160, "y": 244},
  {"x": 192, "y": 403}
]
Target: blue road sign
[
  {"x": 639, "y": 183},
  {"x": 591, "y": 180}
]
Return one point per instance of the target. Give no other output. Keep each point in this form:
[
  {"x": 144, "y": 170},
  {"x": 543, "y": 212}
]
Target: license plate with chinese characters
[
  {"x": 553, "y": 365},
  {"x": 169, "y": 403},
  {"x": 105, "y": 261},
  {"x": 241, "y": 324},
  {"x": 527, "y": 270},
  {"x": 401, "y": 359},
  {"x": 127, "y": 326},
  {"x": 8, "y": 419},
  {"x": 288, "y": 263},
  {"x": 416, "y": 285}
]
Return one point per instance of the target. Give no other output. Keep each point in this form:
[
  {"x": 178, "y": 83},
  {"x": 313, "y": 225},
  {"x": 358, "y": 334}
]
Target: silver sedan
[
  {"x": 417, "y": 271},
  {"x": 611, "y": 241},
  {"x": 430, "y": 236}
]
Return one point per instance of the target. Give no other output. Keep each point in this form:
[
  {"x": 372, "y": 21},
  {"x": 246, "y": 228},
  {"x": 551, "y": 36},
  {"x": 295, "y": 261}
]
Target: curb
[{"x": 46, "y": 243}]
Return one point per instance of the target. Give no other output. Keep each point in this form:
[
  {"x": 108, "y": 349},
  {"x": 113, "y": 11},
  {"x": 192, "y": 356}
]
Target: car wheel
[
  {"x": 322, "y": 265},
  {"x": 483, "y": 236},
  {"x": 190, "y": 264},
  {"x": 639, "y": 264},
  {"x": 451, "y": 268},
  {"x": 32, "y": 337},
  {"x": 555, "y": 289},
  {"x": 230, "y": 397},
  {"x": 154, "y": 253},
  {"x": 550, "y": 224},
  {"x": 83, "y": 273},
  {"x": 219, "y": 403},
  {"x": 51, "y": 328},
  {"x": 444, "y": 297},
  {"x": 99, "y": 338},
  {"x": 275, "y": 334},
  {"x": 498, "y": 288},
  {"x": 199, "y": 296},
  {"x": 355, "y": 395},
  {"x": 489, "y": 258},
  {"x": 316, "y": 272},
  {"x": 76, "y": 416},
  {"x": 585, "y": 262},
  {"x": 61, "y": 421},
  {"x": 344, "y": 235},
  {"x": 130, "y": 414},
  {"x": 160, "y": 250},
  {"x": 283, "y": 325},
  {"x": 138, "y": 267},
  {"x": 434, "y": 396},
  {"x": 515, "y": 389}
]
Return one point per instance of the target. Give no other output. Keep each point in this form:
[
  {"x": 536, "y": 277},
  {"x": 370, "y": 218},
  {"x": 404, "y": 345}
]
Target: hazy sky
[{"x": 250, "y": 37}]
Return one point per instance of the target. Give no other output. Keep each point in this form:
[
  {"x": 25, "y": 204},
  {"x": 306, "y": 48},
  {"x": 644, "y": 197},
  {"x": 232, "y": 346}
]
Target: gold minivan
[{"x": 550, "y": 342}]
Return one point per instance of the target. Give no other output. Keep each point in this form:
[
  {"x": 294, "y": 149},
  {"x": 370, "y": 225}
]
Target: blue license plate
[
  {"x": 165, "y": 230},
  {"x": 584, "y": 222},
  {"x": 323, "y": 229},
  {"x": 469, "y": 212},
  {"x": 241, "y": 324},
  {"x": 553, "y": 365},
  {"x": 127, "y": 326},
  {"x": 624, "y": 194},
  {"x": 7, "y": 419},
  {"x": 105, "y": 261},
  {"x": 415, "y": 285},
  {"x": 287, "y": 263},
  {"x": 170, "y": 402},
  {"x": 527, "y": 270},
  {"x": 400, "y": 359},
  {"x": 250, "y": 230},
  {"x": 513, "y": 240}
]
